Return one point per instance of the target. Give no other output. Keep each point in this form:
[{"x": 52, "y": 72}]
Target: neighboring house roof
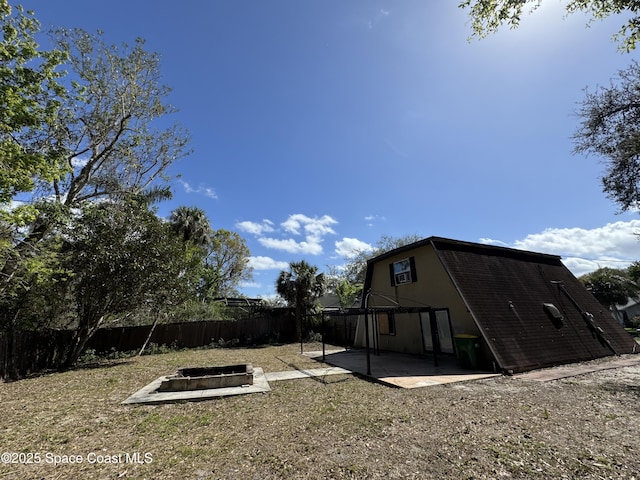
[
  {"x": 331, "y": 301},
  {"x": 239, "y": 301},
  {"x": 505, "y": 291},
  {"x": 625, "y": 313},
  {"x": 632, "y": 302}
]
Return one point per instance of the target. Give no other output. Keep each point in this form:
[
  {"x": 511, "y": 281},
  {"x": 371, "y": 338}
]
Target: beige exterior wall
[
  {"x": 433, "y": 288},
  {"x": 408, "y": 336}
]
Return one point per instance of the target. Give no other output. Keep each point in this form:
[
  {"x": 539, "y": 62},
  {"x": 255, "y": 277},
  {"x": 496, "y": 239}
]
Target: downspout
[{"x": 466, "y": 304}]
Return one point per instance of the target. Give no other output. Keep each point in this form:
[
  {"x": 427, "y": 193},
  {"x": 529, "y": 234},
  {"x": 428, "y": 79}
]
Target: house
[
  {"x": 624, "y": 314},
  {"x": 494, "y": 307}
]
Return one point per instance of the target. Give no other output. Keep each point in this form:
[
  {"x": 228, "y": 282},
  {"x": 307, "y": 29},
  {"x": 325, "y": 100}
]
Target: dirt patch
[{"x": 341, "y": 427}]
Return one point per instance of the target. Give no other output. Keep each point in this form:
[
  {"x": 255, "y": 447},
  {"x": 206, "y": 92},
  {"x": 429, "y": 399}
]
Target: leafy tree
[
  {"x": 192, "y": 224},
  {"x": 107, "y": 126},
  {"x": 104, "y": 130},
  {"x": 301, "y": 286},
  {"x": 610, "y": 286},
  {"x": 634, "y": 272},
  {"x": 35, "y": 300},
  {"x": 610, "y": 128},
  {"x": 98, "y": 151},
  {"x": 226, "y": 264},
  {"x": 487, "y": 16},
  {"x": 29, "y": 296},
  {"x": 33, "y": 296},
  {"x": 29, "y": 101},
  {"x": 348, "y": 292},
  {"x": 122, "y": 256}
]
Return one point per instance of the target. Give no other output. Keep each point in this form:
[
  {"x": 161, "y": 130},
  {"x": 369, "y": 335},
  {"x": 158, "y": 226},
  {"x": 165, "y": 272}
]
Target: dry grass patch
[{"x": 337, "y": 427}]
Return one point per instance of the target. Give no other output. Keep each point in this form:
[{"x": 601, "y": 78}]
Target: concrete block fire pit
[
  {"x": 205, "y": 378},
  {"x": 202, "y": 383}
]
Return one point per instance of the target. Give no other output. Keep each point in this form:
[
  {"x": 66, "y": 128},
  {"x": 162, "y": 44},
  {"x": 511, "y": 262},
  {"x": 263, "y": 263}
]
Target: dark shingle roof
[{"x": 505, "y": 290}]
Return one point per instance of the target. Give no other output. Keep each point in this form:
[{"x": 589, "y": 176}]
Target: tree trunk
[
  {"x": 146, "y": 342},
  {"x": 80, "y": 339},
  {"x": 9, "y": 369}
]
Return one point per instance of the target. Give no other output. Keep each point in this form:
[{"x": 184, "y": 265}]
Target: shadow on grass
[
  {"x": 613, "y": 387},
  {"x": 99, "y": 364},
  {"x": 323, "y": 379},
  {"x": 53, "y": 371}
]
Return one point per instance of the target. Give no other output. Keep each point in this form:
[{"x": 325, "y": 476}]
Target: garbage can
[{"x": 467, "y": 350}]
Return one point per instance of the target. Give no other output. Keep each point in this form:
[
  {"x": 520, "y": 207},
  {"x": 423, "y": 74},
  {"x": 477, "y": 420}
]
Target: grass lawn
[{"x": 337, "y": 427}]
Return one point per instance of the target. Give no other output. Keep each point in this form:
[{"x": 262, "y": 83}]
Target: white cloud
[
  {"x": 210, "y": 192},
  {"x": 371, "y": 219},
  {"x": 206, "y": 191},
  {"x": 491, "y": 241},
  {"x": 77, "y": 162},
  {"x": 291, "y": 246},
  {"x": 250, "y": 285},
  {"x": 584, "y": 250},
  {"x": 14, "y": 204},
  {"x": 314, "y": 228},
  {"x": 256, "y": 228},
  {"x": 378, "y": 17},
  {"x": 349, "y": 247},
  {"x": 266, "y": 263},
  {"x": 581, "y": 266}
]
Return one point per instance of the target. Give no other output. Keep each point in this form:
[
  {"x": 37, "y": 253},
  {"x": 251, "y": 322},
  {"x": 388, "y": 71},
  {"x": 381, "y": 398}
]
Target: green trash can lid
[{"x": 465, "y": 335}]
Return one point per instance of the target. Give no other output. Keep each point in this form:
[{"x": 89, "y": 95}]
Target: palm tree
[
  {"x": 192, "y": 223},
  {"x": 300, "y": 286}
]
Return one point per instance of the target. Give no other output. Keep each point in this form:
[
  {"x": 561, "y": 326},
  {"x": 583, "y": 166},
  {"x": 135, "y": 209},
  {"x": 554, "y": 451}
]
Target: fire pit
[{"x": 205, "y": 378}]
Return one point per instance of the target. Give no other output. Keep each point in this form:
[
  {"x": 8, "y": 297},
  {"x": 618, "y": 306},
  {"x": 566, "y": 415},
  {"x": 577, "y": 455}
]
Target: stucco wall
[
  {"x": 433, "y": 288},
  {"x": 408, "y": 336}
]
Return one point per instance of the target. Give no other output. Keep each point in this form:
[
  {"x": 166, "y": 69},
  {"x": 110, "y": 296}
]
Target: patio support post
[
  {"x": 302, "y": 335},
  {"x": 324, "y": 327},
  {"x": 433, "y": 323},
  {"x": 346, "y": 336},
  {"x": 366, "y": 330}
]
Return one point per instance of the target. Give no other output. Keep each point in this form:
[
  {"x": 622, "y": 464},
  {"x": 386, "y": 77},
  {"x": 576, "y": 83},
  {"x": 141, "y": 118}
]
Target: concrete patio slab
[
  {"x": 150, "y": 394},
  {"x": 400, "y": 370},
  {"x": 393, "y": 369}
]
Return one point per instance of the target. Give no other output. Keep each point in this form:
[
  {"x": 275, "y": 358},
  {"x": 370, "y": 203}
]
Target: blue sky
[{"x": 320, "y": 126}]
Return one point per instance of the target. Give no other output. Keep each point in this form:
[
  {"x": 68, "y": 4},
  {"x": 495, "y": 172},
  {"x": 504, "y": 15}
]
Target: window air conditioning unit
[{"x": 403, "y": 278}]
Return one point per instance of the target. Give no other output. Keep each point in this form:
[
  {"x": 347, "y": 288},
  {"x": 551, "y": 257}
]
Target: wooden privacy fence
[
  {"x": 196, "y": 334},
  {"x": 24, "y": 352},
  {"x": 340, "y": 329}
]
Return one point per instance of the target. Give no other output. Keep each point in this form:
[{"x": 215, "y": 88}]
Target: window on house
[
  {"x": 403, "y": 271},
  {"x": 386, "y": 323}
]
